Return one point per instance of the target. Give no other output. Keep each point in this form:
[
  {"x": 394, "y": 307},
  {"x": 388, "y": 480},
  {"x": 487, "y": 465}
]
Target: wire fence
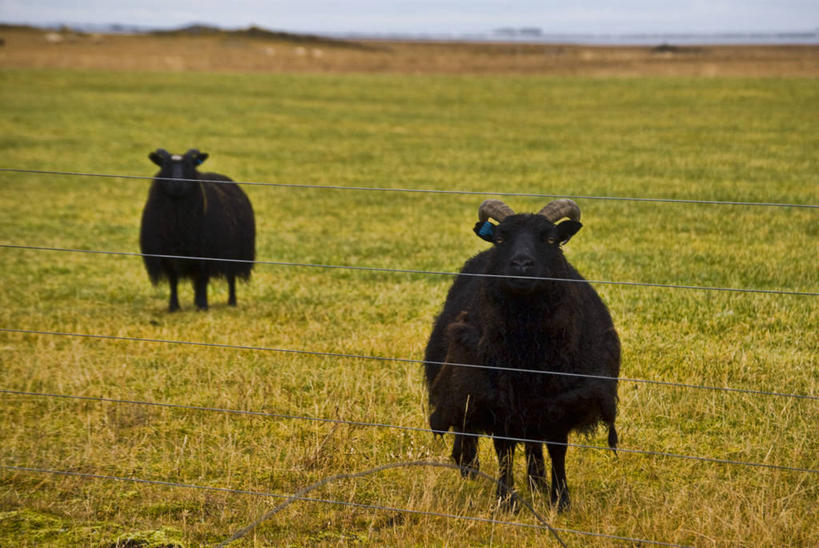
[
  {"x": 162, "y": 483},
  {"x": 409, "y": 361},
  {"x": 422, "y": 190},
  {"x": 413, "y": 271},
  {"x": 643, "y": 452},
  {"x": 299, "y": 495}
]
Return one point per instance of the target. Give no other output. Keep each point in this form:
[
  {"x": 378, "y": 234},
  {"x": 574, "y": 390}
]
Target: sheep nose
[{"x": 522, "y": 264}]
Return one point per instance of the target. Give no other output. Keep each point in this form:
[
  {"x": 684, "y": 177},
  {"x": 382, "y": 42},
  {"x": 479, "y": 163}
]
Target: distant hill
[
  {"x": 254, "y": 32},
  {"x": 197, "y": 29},
  {"x": 7, "y": 27},
  {"x": 113, "y": 28}
]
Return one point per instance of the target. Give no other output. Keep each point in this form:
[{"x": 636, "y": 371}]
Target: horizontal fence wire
[
  {"x": 514, "y": 498},
  {"x": 411, "y": 271},
  {"x": 180, "y": 406},
  {"x": 162, "y": 483},
  {"x": 407, "y": 360},
  {"x": 421, "y": 190}
]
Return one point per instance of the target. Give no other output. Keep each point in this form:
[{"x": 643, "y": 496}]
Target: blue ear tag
[
  {"x": 485, "y": 230},
  {"x": 199, "y": 161}
]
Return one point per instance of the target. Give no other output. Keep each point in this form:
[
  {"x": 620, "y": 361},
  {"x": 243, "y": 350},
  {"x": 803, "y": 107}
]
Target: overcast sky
[{"x": 431, "y": 16}]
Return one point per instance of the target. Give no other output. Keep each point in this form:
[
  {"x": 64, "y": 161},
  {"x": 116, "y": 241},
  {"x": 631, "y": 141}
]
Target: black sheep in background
[
  {"x": 188, "y": 216},
  {"x": 523, "y": 323}
]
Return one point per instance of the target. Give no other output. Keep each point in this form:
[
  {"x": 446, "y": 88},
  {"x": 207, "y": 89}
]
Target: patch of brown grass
[{"x": 248, "y": 52}]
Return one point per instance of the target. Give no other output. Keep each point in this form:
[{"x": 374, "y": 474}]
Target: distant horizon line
[{"x": 505, "y": 33}]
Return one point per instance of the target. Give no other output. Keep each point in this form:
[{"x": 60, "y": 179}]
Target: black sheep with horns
[
  {"x": 523, "y": 317},
  {"x": 188, "y": 215}
]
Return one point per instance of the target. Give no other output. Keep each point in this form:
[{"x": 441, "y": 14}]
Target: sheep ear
[
  {"x": 566, "y": 230},
  {"x": 485, "y": 231},
  {"x": 159, "y": 156},
  {"x": 201, "y": 157}
]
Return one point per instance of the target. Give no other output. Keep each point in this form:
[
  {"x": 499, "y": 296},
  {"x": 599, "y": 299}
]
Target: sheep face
[
  {"x": 528, "y": 245},
  {"x": 177, "y": 174}
]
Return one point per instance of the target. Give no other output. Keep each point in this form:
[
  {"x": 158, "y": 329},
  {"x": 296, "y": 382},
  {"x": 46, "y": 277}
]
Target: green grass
[{"x": 713, "y": 139}]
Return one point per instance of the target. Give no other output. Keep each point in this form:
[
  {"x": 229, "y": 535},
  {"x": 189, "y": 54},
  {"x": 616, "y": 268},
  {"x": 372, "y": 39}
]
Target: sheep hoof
[{"x": 563, "y": 502}]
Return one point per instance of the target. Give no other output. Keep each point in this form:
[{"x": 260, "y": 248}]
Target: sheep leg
[
  {"x": 231, "y": 279},
  {"x": 505, "y": 450},
  {"x": 559, "y": 492},
  {"x": 200, "y": 291},
  {"x": 465, "y": 455},
  {"x": 173, "y": 302},
  {"x": 536, "y": 467}
]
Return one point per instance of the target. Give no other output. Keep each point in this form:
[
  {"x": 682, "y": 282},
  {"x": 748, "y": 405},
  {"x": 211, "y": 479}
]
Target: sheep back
[{"x": 212, "y": 220}]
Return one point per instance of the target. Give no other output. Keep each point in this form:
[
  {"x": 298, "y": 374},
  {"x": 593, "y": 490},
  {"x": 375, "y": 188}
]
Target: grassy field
[{"x": 748, "y": 139}]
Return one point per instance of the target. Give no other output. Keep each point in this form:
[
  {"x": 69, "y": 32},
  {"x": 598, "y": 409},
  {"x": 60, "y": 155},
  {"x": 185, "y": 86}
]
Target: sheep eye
[
  {"x": 498, "y": 239},
  {"x": 551, "y": 240}
]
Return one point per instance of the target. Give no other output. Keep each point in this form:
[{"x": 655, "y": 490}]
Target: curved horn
[
  {"x": 558, "y": 209},
  {"x": 494, "y": 209}
]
